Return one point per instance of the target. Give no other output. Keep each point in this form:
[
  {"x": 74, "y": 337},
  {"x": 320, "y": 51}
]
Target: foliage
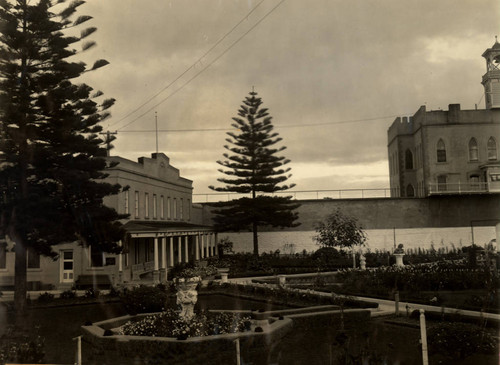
[
  {"x": 22, "y": 349},
  {"x": 411, "y": 278},
  {"x": 253, "y": 167},
  {"x": 45, "y": 297},
  {"x": 460, "y": 340},
  {"x": 225, "y": 246},
  {"x": 92, "y": 293},
  {"x": 192, "y": 269},
  {"x": 144, "y": 299},
  {"x": 340, "y": 230},
  {"x": 53, "y": 160},
  {"x": 170, "y": 324},
  {"x": 68, "y": 294}
]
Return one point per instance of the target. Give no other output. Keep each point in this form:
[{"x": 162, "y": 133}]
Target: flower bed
[{"x": 169, "y": 324}]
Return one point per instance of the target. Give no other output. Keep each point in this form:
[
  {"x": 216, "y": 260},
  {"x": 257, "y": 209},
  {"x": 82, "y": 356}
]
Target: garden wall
[{"x": 388, "y": 213}]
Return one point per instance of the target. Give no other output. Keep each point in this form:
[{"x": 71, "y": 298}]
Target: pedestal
[
  {"x": 223, "y": 277},
  {"x": 187, "y": 296},
  {"x": 399, "y": 259},
  {"x": 156, "y": 277},
  {"x": 163, "y": 276}
]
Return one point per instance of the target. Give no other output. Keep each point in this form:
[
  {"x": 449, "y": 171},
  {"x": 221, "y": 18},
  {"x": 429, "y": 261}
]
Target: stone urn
[
  {"x": 187, "y": 296},
  {"x": 398, "y": 254},
  {"x": 224, "y": 273}
]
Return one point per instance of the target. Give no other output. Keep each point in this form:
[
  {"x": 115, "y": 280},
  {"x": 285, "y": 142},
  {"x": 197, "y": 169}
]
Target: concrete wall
[{"x": 383, "y": 213}]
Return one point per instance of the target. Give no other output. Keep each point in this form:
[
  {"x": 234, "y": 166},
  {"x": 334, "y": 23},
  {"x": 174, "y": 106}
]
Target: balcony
[{"x": 458, "y": 188}]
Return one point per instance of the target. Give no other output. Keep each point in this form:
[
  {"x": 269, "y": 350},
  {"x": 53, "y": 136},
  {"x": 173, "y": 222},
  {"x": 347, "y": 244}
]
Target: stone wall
[{"x": 385, "y": 213}]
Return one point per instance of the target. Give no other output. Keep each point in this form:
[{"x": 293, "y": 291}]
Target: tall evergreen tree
[
  {"x": 52, "y": 160},
  {"x": 253, "y": 167}
]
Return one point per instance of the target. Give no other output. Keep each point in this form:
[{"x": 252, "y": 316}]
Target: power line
[
  {"x": 276, "y": 126},
  {"x": 190, "y": 67},
  {"x": 206, "y": 67}
]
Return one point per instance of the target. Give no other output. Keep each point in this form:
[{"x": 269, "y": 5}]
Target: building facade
[
  {"x": 163, "y": 228},
  {"x": 449, "y": 152}
]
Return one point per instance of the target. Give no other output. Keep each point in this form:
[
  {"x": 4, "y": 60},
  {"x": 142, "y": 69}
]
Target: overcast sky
[{"x": 346, "y": 67}]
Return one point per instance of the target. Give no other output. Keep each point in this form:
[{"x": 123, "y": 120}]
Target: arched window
[
  {"x": 408, "y": 160},
  {"x": 410, "y": 191},
  {"x": 441, "y": 151},
  {"x": 492, "y": 149},
  {"x": 473, "y": 154}
]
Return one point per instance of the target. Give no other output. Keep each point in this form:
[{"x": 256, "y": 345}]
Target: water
[{"x": 289, "y": 242}]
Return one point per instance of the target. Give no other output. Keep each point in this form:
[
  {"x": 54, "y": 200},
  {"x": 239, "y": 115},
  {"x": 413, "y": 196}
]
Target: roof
[{"x": 162, "y": 227}]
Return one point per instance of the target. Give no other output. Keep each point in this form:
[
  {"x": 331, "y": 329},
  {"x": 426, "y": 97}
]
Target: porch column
[
  {"x": 171, "y": 246},
  {"x": 197, "y": 247},
  {"x": 163, "y": 270},
  {"x": 211, "y": 244},
  {"x": 216, "y": 245},
  {"x": 120, "y": 264},
  {"x": 179, "y": 249},
  {"x": 497, "y": 231},
  {"x": 156, "y": 272},
  {"x": 186, "y": 248},
  {"x": 202, "y": 239}
]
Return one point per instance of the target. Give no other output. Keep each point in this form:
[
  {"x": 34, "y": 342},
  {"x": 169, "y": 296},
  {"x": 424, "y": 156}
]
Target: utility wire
[
  {"x": 276, "y": 126},
  {"x": 206, "y": 67},
  {"x": 190, "y": 67}
]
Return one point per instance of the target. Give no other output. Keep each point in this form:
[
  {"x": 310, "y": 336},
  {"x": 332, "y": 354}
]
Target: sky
[{"x": 333, "y": 74}]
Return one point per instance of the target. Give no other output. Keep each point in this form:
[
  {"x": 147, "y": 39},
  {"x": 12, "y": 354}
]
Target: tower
[{"x": 491, "y": 79}]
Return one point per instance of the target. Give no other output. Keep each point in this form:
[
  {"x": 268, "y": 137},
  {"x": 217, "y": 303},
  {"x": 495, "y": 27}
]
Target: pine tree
[
  {"x": 52, "y": 160},
  {"x": 253, "y": 167}
]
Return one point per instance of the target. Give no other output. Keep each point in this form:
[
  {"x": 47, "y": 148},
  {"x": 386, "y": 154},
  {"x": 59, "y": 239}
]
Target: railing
[
  {"x": 301, "y": 194},
  {"x": 143, "y": 267},
  {"x": 458, "y": 188}
]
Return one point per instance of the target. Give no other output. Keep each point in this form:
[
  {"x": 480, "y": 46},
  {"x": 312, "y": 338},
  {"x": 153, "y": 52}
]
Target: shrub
[
  {"x": 144, "y": 299},
  {"x": 68, "y": 294},
  {"x": 169, "y": 324},
  {"x": 459, "y": 340},
  {"x": 45, "y": 297},
  {"x": 27, "y": 349},
  {"x": 92, "y": 293}
]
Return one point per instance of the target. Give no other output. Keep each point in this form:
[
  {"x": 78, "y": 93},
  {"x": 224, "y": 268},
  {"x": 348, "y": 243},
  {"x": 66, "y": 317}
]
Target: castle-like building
[{"x": 449, "y": 152}]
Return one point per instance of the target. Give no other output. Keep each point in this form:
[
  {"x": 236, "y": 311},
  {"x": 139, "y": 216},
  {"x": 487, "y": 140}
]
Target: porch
[{"x": 151, "y": 249}]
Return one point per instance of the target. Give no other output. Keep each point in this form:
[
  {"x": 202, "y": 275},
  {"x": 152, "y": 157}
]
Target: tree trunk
[
  {"x": 20, "y": 287},
  {"x": 255, "y": 240}
]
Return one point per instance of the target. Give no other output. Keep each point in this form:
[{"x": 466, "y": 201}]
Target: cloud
[{"x": 312, "y": 62}]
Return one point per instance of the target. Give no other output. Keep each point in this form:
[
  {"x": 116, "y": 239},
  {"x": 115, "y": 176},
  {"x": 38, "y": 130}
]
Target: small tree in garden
[{"x": 340, "y": 231}]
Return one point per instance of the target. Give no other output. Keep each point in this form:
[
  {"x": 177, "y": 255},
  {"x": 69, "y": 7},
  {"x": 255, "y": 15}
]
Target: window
[
  {"x": 473, "y": 155},
  {"x": 33, "y": 259},
  {"x": 169, "y": 209},
  {"x": 408, "y": 160},
  {"x": 154, "y": 206},
  {"x": 96, "y": 257},
  {"x": 188, "y": 210},
  {"x": 3, "y": 254},
  {"x": 442, "y": 180},
  {"x": 162, "y": 207},
  {"x": 136, "y": 204},
  {"x": 146, "y": 205},
  {"x": 441, "y": 151},
  {"x": 474, "y": 182},
  {"x": 175, "y": 209},
  {"x": 181, "y": 208},
  {"x": 410, "y": 191},
  {"x": 492, "y": 149},
  {"x": 126, "y": 202}
]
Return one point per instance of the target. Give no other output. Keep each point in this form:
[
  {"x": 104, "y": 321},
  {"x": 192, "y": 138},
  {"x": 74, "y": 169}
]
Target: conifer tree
[
  {"x": 52, "y": 160},
  {"x": 253, "y": 167}
]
